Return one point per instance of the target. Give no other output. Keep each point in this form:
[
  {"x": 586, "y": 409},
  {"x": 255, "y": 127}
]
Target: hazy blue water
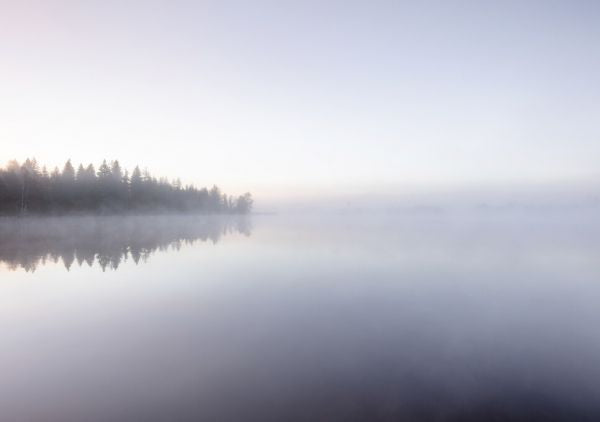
[{"x": 300, "y": 319}]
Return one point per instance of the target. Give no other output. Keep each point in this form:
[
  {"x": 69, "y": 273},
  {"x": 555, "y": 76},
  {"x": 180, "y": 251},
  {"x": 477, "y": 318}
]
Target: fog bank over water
[{"x": 557, "y": 197}]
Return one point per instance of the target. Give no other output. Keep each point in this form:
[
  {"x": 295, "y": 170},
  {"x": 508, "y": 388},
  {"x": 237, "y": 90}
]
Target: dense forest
[{"x": 28, "y": 189}]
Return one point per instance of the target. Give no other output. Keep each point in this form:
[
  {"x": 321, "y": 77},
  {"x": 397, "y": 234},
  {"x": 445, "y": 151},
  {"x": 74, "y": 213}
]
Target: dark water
[{"x": 487, "y": 318}]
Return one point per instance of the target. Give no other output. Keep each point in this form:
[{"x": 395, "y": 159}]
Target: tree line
[{"x": 28, "y": 189}]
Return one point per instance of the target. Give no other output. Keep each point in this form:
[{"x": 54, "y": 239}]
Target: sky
[{"x": 301, "y": 98}]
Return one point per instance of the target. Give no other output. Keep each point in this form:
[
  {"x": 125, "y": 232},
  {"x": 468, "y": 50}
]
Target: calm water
[{"x": 344, "y": 318}]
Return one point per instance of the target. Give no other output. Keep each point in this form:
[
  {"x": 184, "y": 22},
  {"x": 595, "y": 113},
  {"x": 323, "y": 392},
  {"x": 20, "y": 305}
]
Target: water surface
[{"x": 346, "y": 318}]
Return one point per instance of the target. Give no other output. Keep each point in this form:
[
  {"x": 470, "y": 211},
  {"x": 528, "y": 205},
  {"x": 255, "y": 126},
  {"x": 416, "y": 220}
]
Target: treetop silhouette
[{"x": 27, "y": 189}]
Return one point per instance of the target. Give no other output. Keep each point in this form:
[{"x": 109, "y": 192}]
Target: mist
[
  {"x": 560, "y": 198},
  {"x": 265, "y": 211},
  {"x": 302, "y": 317}
]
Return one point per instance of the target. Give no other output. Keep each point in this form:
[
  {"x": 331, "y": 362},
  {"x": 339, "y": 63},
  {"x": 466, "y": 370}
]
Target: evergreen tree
[
  {"x": 104, "y": 172},
  {"x": 68, "y": 173},
  {"x": 80, "y": 173}
]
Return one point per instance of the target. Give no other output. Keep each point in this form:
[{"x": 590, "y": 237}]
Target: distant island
[{"x": 30, "y": 189}]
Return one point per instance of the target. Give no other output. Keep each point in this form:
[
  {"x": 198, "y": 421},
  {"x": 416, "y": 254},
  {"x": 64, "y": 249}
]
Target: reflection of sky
[
  {"x": 314, "y": 315},
  {"x": 310, "y": 96}
]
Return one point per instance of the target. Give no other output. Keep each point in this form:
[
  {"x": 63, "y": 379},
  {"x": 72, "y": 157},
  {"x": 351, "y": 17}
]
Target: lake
[{"x": 390, "y": 317}]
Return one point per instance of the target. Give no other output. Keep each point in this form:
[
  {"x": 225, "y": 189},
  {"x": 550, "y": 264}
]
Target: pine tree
[
  {"x": 68, "y": 173},
  {"x": 104, "y": 172},
  {"x": 80, "y": 173}
]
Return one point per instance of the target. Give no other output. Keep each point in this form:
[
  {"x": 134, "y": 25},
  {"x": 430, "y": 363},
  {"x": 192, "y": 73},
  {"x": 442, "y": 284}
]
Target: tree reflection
[{"x": 27, "y": 243}]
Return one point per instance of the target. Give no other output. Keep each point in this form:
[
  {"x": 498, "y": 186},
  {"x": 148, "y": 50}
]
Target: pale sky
[{"x": 307, "y": 97}]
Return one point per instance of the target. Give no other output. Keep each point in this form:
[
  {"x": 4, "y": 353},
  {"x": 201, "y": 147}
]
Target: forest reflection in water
[{"x": 27, "y": 243}]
